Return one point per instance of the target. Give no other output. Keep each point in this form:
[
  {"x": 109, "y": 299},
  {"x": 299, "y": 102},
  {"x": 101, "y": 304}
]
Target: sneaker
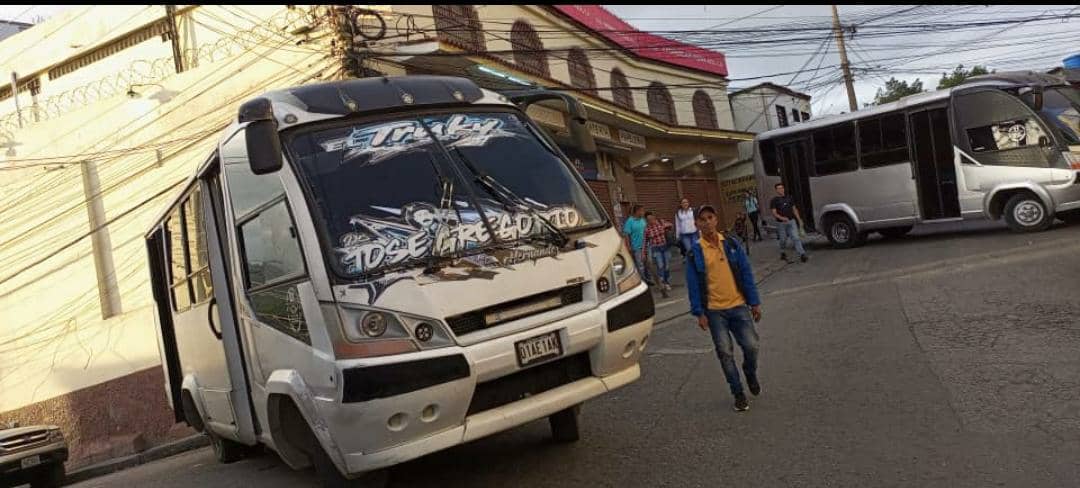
[
  {"x": 754, "y": 386},
  {"x": 783, "y": 256},
  {"x": 803, "y": 258},
  {"x": 667, "y": 286},
  {"x": 741, "y": 405}
]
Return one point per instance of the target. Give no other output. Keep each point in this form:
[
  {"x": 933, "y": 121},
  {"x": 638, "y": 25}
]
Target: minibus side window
[
  {"x": 196, "y": 243},
  {"x": 178, "y": 265},
  {"x": 1000, "y": 130},
  {"x": 883, "y": 141},
  {"x": 834, "y": 149},
  {"x": 768, "y": 158},
  {"x": 272, "y": 262}
]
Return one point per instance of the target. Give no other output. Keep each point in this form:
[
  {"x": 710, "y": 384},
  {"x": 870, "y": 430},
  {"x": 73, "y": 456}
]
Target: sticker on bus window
[
  {"x": 383, "y": 141},
  {"x": 419, "y": 230}
]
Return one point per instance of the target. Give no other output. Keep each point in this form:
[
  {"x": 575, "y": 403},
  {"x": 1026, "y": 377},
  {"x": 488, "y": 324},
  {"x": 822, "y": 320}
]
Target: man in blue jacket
[{"x": 725, "y": 301}]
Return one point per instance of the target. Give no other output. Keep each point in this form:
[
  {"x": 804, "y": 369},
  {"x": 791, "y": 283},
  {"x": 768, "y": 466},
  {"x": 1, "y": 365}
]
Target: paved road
[{"x": 948, "y": 360}]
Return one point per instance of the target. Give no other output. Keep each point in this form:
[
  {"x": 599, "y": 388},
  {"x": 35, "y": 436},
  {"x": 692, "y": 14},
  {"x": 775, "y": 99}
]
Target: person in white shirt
[{"x": 684, "y": 225}]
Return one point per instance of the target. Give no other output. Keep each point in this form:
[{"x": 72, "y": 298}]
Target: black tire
[
  {"x": 564, "y": 425},
  {"x": 299, "y": 432},
  {"x": 1071, "y": 217},
  {"x": 51, "y": 476},
  {"x": 1025, "y": 212},
  {"x": 842, "y": 233},
  {"x": 895, "y": 232},
  {"x": 227, "y": 451}
]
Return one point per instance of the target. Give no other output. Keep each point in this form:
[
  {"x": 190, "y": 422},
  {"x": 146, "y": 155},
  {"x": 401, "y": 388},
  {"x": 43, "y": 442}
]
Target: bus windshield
[
  {"x": 390, "y": 196},
  {"x": 1061, "y": 107}
]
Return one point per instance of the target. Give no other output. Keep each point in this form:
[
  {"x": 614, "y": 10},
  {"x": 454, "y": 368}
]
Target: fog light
[
  {"x": 397, "y": 422},
  {"x": 424, "y": 332},
  {"x": 603, "y": 285},
  {"x": 629, "y": 351},
  {"x": 430, "y": 413},
  {"x": 373, "y": 324}
]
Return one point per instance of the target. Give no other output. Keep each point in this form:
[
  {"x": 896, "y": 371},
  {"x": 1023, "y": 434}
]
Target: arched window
[
  {"x": 459, "y": 25},
  {"x": 704, "y": 111},
  {"x": 661, "y": 107},
  {"x": 581, "y": 72},
  {"x": 529, "y": 52},
  {"x": 620, "y": 90}
]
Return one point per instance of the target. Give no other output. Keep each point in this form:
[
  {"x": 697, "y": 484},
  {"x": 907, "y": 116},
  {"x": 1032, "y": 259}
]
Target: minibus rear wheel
[
  {"x": 842, "y": 232},
  {"x": 564, "y": 425}
]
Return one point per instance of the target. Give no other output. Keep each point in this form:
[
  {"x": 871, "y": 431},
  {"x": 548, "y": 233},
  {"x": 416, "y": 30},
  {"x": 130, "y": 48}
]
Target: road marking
[
  {"x": 668, "y": 351},
  {"x": 670, "y": 302}
]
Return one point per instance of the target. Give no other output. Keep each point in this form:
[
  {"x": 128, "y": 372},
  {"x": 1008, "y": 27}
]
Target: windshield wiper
[{"x": 510, "y": 199}]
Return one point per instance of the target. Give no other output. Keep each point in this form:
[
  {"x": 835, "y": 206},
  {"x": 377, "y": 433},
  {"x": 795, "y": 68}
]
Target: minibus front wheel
[{"x": 841, "y": 231}]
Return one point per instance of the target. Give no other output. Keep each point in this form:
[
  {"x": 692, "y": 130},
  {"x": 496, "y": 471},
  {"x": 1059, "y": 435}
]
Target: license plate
[
  {"x": 540, "y": 348},
  {"x": 31, "y": 461}
]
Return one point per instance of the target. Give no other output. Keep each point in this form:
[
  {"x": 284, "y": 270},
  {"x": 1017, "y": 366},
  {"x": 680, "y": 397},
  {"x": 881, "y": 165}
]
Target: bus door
[
  {"x": 933, "y": 164},
  {"x": 207, "y": 344},
  {"x": 794, "y": 174}
]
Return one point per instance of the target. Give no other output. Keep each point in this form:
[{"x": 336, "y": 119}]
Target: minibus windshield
[{"x": 391, "y": 197}]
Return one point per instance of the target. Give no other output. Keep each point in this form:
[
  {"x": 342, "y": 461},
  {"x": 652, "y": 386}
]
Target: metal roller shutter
[
  {"x": 659, "y": 196},
  {"x": 603, "y": 193}
]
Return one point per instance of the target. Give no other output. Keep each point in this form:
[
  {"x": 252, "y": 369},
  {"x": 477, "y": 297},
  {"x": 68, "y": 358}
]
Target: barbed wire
[{"x": 149, "y": 72}]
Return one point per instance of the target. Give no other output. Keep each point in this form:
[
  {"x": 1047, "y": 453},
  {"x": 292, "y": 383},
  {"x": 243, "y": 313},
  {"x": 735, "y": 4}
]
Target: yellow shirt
[{"x": 723, "y": 292}]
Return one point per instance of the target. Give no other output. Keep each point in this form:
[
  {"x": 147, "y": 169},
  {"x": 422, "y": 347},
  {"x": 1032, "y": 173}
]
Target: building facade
[{"x": 658, "y": 108}]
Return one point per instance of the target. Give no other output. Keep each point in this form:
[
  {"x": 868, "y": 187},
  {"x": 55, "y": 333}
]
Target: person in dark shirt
[{"x": 788, "y": 222}]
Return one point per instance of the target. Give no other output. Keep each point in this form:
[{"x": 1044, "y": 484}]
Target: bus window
[
  {"x": 883, "y": 141},
  {"x": 768, "y": 158},
  {"x": 834, "y": 149},
  {"x": 1000, "y": 130}
]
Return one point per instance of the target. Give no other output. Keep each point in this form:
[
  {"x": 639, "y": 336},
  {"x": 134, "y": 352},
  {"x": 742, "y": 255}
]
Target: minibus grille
[
  {"x": 531, "y": 381},
  {"x": 534, "y": 304}
]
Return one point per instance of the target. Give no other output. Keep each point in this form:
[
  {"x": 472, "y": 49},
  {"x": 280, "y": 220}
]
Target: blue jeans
[
  {"x": 639, "y": 263},
  {"x": 789, "y": 229},
  {"x": 737, "y": 322},
  {"x": 660, "y": 257},
  {"x": 688, "y": 240}
]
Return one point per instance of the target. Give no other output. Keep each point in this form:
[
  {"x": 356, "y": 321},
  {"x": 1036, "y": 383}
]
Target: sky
[{"x": 907, "y": 56}]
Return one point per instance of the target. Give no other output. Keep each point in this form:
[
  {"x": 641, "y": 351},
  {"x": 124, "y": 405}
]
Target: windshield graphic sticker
[
  {"x": 420, "y": 230},
  {"x": 382, "y": 142}
]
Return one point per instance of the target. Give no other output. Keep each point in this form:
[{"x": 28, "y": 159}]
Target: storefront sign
[
  {"x": 631, "y": 139},
  {"x": 585, "y": 163},
  {"x": 599, "y": 130},
  {"x": 546, "y": 116}
]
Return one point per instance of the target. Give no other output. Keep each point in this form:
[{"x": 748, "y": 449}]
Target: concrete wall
[
  {"x": 557, "y": 33},
  {"x": 57, "y": 337}
]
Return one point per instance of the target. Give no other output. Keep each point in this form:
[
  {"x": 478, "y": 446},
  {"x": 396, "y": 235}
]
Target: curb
[{"x": 153, "y": 454}]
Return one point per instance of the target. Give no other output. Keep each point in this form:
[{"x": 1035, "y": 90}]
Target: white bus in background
[
  {"x": 368, "y": 271},
  {"x": 1003, "y": 146}
]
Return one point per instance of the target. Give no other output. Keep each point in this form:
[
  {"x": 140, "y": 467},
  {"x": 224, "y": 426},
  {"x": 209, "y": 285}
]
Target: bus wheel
[
  {"x": 895, "y": 232},
  {"x": 564, "y": 425},
  {"x": 226, "y": 451},
  {"x": 841, "y": 232},
  {"x": 1025, "y": 212}
]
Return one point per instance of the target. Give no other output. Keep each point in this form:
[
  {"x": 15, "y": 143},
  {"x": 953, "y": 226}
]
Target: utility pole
[
  {"x": 174, "y": 37},
  {"x": 844, "y": 65}
]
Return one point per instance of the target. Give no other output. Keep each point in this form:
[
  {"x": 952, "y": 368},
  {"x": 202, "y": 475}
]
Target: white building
[{"x": 757, "y": 109}]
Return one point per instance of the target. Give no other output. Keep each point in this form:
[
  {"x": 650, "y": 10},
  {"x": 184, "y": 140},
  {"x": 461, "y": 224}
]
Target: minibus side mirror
[
  {"x": 261, "y": 136},
  {"x": 579, "y": 131}
]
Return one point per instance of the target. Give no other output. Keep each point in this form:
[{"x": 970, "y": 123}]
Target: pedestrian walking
[
  {"x": 725, "y": 301},
  {"x": 751, "y": 204},
  {"x": 684, "y": 225},
  {"x": 741, "y": 231},
  {"x": 788, "y": 222},
  {"x": 634, "y": 233},
  {"x": 658, "y": 248}
]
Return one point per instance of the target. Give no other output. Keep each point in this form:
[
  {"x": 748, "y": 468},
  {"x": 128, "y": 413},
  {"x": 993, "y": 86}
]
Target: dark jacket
[{"x": 697, "y": 284}]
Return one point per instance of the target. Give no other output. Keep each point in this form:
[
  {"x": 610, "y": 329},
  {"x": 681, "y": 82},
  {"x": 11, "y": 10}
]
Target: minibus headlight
[
  {"x": 618, "y": 265},
  {"x": 429, "y": 333},
  {"x": 366, "y": 325}
]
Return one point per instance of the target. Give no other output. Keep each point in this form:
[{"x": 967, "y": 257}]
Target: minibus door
[
  {"x": 794, "y": 173},
  {"x": 933, "y": 164}
]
